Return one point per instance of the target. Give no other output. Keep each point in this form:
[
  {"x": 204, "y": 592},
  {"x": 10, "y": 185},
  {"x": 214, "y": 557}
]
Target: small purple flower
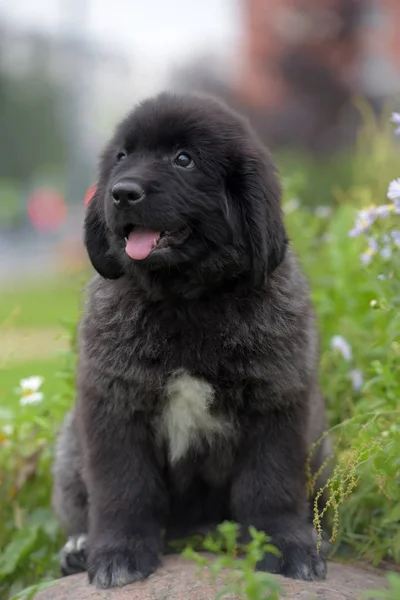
[
  {"x": 396, "y": 237},
  {"x": 383, "y": 210},
  {"x": 382, "y": 277},
  {"x": 357, "y": 230},
  {"x": 396, "y": 121},
  {"x": 373, "y": 244},
  {"x": 386, "y": 252},
  {"x": 368, "y": 214},
  {"x": 373, "y": 247},
  {"x": 357, "y": 379},
  {"x": 366, "y": 257},
  {"x": 341, "y": 345},
  {"x": 393, "y": 192},
  {"x": 364, "y": 220}
]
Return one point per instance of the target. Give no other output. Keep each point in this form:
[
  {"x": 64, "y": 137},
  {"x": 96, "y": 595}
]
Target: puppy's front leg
[
  {"x": 269, "y": 493},
  {"x": 127, "y": 497}
]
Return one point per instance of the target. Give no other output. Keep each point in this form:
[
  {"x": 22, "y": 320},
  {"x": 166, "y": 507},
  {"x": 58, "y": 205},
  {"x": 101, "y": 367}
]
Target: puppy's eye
[
  {"x": 121, "y": 155},
  {"x": 184, "y": 160}
]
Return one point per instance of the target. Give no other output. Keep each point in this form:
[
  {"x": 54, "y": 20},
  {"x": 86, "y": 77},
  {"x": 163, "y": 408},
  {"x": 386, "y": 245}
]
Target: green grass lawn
[
  {"x": 31, "y": 324},
  {"x": 42, "y": 303}
]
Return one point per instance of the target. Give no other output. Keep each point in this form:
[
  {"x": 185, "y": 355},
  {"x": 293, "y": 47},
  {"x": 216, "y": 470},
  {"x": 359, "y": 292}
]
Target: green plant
[
  {"x": 235, "y": 564},
  {"x": 351, "y": 257},
  {"x": 392, "y": 593},
  {"x": 29, "y": 533}
]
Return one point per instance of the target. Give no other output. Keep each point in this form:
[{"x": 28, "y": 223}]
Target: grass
[
  {"x": 33, "y": 343},
  {"x": 40, "y": 304},
  {"x": 31, "y": 318}
]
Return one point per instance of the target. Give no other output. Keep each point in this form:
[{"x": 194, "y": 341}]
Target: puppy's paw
[
  {"x": 116, "y": 566},
  {"x": 73, "y": 555},
  {"x": 299, "y": 559},
  {"x": 304, "y": 562}
]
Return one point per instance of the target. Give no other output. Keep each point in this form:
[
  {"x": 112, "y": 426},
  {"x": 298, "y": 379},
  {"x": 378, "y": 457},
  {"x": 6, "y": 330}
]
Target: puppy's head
[{"x": 184, "y": 185}]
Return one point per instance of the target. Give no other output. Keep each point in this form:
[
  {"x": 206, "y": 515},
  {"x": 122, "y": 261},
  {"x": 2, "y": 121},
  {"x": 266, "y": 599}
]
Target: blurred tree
[{"x": 31, "y": 132}]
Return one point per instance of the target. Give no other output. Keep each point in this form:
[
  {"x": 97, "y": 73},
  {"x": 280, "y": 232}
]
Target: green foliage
[
  {"x": 242, "y": 579},
  {"x": 392, "y": 593},
  {"x": 29, "y": 533},
  {"x": 361, "y": 304}
]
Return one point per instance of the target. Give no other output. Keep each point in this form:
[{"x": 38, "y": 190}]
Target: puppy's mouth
[{"x": 141, "y": 242}]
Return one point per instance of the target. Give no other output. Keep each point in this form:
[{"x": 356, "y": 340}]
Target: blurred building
[
  {"x": 303, "y": 61},
  {"x": 352, "y": 39},
  {"x": 300, "y": 65}
]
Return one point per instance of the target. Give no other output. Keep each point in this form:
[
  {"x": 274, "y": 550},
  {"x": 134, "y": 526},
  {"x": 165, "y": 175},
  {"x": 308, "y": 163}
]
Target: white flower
[
  {"x": 394, "y": 189},
  {"x": 357, "y": 379},
  {"x": 8, "y": 429},
  {"x": 29, "y": 390},
  {"x": 341, "y": 345}
]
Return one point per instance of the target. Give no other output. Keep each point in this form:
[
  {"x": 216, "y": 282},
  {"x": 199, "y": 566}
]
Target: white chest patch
[{"x": 186, "y": 419}]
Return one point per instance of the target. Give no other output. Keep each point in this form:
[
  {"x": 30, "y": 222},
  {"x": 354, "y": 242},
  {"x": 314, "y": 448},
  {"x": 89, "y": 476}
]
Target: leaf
[
  {"x": 394, "y": 515},
  {"x": 394, "y": 581},
  {"x": 6, "y": 414},
  {"x": 30, "y": 592},
  {"x": 21, "y": 545}
]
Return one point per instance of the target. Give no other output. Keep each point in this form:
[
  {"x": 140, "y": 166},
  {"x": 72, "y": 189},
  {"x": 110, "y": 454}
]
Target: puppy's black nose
[{"x": 126, "y": 193}]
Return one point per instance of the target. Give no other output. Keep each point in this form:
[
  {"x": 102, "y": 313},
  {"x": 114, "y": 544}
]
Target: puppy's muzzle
[{"x": 127, "y": 193}]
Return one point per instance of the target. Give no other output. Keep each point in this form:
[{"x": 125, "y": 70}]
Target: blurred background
[{"x": 69, "y": 69}]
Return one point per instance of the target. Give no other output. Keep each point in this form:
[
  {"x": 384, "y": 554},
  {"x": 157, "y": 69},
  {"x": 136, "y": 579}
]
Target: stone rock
[{"x": 179, "y": 579}]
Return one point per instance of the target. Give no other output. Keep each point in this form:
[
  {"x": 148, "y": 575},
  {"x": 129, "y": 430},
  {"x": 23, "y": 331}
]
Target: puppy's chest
[{"x": 187, "y": 420}]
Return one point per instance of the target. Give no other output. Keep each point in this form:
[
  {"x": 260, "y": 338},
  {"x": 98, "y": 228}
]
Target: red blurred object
[
  {"x": 46, "y": 209},
  {"x": 89, "y": 194}
]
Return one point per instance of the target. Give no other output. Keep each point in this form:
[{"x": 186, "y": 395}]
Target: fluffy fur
[{"x": 198, "y": 397}]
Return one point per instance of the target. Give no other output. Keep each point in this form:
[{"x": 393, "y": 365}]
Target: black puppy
[{"x": 198, "y": 396}]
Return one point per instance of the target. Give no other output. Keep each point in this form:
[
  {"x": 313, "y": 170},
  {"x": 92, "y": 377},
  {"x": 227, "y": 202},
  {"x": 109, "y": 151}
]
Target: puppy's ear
[
  {"x": 256, "y": 193},
  {"x": 96, "y": 242}
]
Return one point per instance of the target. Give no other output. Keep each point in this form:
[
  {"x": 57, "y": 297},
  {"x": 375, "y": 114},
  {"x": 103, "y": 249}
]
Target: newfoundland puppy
[{"x": 197, "y": 389}]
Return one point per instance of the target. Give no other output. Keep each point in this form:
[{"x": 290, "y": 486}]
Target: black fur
[{"x": 226, "y": 305}]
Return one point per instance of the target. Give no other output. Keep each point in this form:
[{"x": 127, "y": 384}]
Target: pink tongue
[{"x": 140, "y": 243}]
